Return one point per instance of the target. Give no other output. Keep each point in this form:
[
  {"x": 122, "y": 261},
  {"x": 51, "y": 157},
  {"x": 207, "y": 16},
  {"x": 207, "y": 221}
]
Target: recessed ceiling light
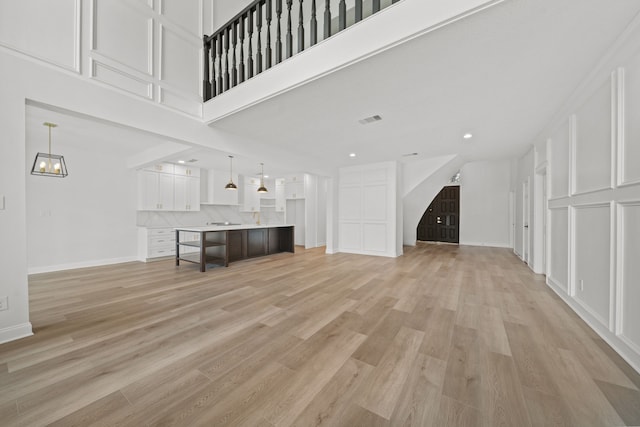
[
  {"x": 266, "y": 176},
  {"x": 352, "y": 155},
  {"x": 467, "y": 136},
  {"x": 181, "y": 162}
]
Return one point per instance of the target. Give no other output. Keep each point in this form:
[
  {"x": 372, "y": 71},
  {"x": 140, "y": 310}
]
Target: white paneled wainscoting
[
  {"x": 147, "y": 49},
  {"x": 591, "y": 154}
]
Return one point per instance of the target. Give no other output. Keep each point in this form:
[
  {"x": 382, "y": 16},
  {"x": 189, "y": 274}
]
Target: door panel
[{"x": 440, "y": 222}]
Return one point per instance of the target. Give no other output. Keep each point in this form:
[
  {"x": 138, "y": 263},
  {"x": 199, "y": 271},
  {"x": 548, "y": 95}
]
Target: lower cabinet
[
  {"x": 256, "y": 242},
  {"x": 237, "y": 245},
  {"x": 156, "y": 243}
]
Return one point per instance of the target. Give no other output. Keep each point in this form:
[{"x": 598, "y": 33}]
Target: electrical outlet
[
  {"x": 581, "y": 285},
  {"x": 4, "y": 303}
]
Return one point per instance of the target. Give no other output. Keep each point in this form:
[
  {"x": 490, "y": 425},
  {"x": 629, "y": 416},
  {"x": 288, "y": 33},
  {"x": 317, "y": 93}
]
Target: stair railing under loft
[{"x": 244, "y": 46}]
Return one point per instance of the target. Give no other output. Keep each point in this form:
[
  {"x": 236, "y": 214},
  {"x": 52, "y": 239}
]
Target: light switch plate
[
  {"x": 2, "y": 205},
  {"x": 4, "y": 303}
]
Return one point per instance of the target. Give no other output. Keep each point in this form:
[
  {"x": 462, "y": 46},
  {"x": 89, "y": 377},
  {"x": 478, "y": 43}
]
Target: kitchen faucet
[{"x": 254, "y": 216}]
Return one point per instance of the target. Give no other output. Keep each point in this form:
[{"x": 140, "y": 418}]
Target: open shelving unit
[{"x": 212, "y": 247}]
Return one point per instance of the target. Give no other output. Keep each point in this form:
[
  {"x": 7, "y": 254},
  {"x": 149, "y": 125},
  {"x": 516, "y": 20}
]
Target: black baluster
[
  {"x": 289, "y": 36},
  {"x": 342, "y": 17},
  {"x": 358, "y": 10},
  {"x": 214, "y": 58},
  {"x": 219, "y": 55},
  {"x": 206, "y": 74},
  {"x": 227, "y": 36},
  {"x": 279, "y": 32},
  {"x": 268, "y": 48},
  {"x": 213, "y": 67},
  {"x": 259, "y": 45},
  {"x": 250, "y": 45},
  {"x": 234, "y": 70},
  {"x": 376, "y": 6},
  {"x": 327, "y": 19},
  {"x": 314, "y": 24},
  {"x": 301, "y": 29},
  {"x": 241, "y": 66}
]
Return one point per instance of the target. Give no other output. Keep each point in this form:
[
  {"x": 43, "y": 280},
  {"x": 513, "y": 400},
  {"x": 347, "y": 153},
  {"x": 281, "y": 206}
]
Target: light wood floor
[{"x": 443, "y": 336}]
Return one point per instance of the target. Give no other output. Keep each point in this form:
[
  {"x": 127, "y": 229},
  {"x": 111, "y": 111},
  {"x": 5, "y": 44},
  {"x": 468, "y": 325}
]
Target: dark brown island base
[{"x": 222, "y": 244}]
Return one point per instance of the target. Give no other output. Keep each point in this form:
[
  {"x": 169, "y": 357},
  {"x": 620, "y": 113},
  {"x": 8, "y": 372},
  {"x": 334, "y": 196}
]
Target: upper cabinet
[
  {"x": 294, "y": 186},
  {"x": 250, "y": 198},
  {"x": 167, "y": 187},
  {"x": 281, "y": 201},
  {"x": 186, "y": 171},
  {"x": 155, "y": 191}
]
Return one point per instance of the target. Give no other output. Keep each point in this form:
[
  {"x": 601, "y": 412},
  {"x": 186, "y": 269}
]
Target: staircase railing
[{"x": 243, "y": 48}]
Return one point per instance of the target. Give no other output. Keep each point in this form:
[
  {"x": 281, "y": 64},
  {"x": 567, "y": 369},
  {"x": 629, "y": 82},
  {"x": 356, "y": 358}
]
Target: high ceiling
[{"x": 500, "y": 74}]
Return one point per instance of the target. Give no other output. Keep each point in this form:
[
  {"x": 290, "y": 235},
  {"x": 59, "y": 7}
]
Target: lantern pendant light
[
  {"x": 262, "y": 188},
  {"x": 47, "y": 164},
  {"x": 231, "y": 185}
]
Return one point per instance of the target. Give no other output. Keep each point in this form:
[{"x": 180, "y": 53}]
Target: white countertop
[{"x": 230, "y": 227}]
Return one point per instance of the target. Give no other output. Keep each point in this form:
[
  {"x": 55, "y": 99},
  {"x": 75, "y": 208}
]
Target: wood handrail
[{"x": 225, "y": 63}]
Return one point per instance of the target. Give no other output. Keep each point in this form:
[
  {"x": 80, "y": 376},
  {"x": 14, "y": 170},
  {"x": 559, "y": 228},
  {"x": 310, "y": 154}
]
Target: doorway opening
[{"x": 441, "y": 220}]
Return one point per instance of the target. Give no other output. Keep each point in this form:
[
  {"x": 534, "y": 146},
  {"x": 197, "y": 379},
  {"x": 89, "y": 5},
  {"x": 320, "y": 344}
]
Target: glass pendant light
[
  {"x": 231, "y": 185},
  {"x": 47, "y": 164},
  {"x": 262, "y": 188}
]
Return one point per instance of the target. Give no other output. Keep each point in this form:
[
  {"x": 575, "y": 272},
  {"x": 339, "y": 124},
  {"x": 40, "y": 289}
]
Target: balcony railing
[{"x": 245, "y": 46}]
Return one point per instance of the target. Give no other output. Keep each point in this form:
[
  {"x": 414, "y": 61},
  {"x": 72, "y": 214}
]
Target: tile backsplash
[{"x": 207, "y": 214}]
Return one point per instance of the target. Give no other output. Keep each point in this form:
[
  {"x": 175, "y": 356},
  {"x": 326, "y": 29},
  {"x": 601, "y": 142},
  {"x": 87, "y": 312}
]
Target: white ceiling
[{"x": 500, "y": 74}]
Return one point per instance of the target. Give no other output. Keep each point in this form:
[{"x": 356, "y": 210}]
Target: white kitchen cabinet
[
  {"x": 250, "y": 195},
  {"x": 216, "y": 193},
  {"x": 161, "y": 168},
  {"x": 167, "y": 187},
  {"x": 186, "y": 171},
  {"x": 155, "y": 191},
  {"x": 187, "y": 193},
  {"x": 156, "y": 243},
  {"x": 281, "y": 201},
  {"x": 294, "y": 186}
]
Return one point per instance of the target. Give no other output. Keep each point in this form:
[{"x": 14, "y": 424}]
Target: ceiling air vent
[
  {"x": 192, "y": 161},
  {"x": 371, "y": 119}
]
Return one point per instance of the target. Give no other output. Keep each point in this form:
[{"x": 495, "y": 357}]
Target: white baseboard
[
  {"x": 625, "y": 351},
  {"x": 487, "y": 244},
  {"x": 15, "y": 332},
  {"x": 84, "y": 264},
  {"x": 380, "y": 254}
]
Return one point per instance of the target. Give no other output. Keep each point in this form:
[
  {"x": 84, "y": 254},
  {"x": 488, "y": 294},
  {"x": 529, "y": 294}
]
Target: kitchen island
[{"x": 222, "y": 244}]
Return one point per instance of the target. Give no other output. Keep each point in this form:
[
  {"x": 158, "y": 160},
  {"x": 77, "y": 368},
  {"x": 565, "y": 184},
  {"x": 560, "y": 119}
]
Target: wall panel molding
[
  {"x": 177, "y": 100},
  {"x": 593, "y": 260},
  {"x": 593, "y": 138},
  {"x": 629, "y": 126},
  {"x": 116, "y": 52},
  {"x": 628, "y": 277},
  {"x": 120, "y": 80},
  {"x": 46, "y": 33}
]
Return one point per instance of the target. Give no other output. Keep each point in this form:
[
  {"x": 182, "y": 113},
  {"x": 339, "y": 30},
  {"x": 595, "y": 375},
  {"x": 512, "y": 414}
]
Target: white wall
[
  {"x": 87, "y": 218},
  {"x": 14, "y": 322},
  {"x": 368, "y": 208},
  {"x": 484, "y": 203},
  {"x": 593, "y": 173}
]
